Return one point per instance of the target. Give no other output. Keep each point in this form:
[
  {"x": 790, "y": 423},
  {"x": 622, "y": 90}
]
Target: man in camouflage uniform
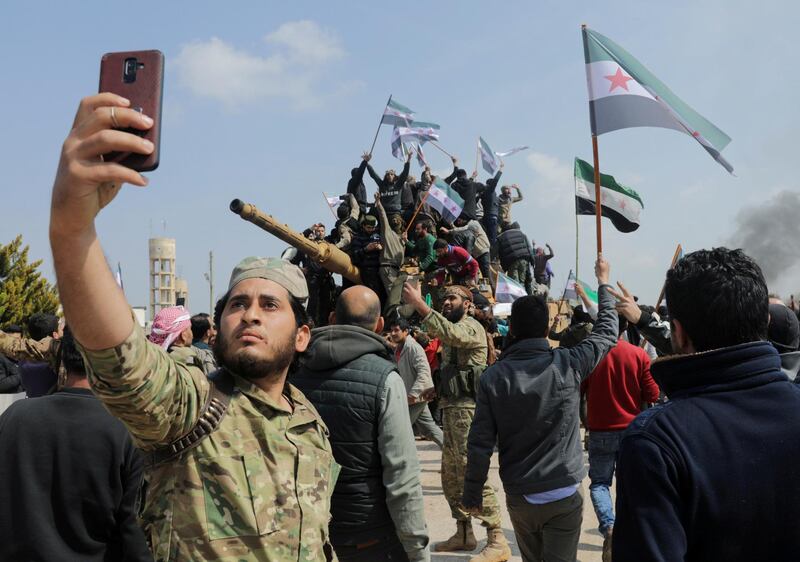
[
  {"x": 256, "y": 488},
  {"x": 41, "y": 348},
  {"x": 464, "y": 356}
]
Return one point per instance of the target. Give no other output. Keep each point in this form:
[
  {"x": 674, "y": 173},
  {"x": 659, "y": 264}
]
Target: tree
[{"x": 23, "y": 290}]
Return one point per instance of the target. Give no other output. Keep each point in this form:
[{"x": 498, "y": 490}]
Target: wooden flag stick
[
  {"x": 598, "y": 211},
  {"x": 671, "y": 265},
  {"x": 577, "y": 246},
  {"x": 440, "y": 148},
  {"x": 561, "y": 302},
  {"x": 371, "y": 148},
  {"x": 416, "y": 212},
  {"x": 328, "y": 203}
]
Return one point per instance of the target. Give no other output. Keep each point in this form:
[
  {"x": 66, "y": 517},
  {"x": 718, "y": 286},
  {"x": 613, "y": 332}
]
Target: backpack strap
[{"x": 208, "y": 421}]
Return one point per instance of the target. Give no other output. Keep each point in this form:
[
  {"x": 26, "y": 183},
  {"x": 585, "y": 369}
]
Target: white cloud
[
  {"x": 292, "y": 72},
  {"x": 554, "y": 179},
  {"x": 307, "y": 42}
]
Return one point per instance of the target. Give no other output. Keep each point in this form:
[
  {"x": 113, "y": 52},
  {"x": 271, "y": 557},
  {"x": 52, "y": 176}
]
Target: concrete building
[
  {"x": 182, "y": 292},
  {"x": 162, "y": 274}
]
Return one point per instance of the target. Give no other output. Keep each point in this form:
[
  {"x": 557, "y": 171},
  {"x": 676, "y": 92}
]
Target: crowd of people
[
  {"x": 399, "y": 232},
  {"x": 276, "y": 430}
]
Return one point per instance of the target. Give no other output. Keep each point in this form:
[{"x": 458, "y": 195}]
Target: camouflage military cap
[{"x": 285, "y": 274}]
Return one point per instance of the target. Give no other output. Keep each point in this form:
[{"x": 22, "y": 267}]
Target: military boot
[
  {"x": 496, "y": 549},
  {"x": 464, "y": 539}
]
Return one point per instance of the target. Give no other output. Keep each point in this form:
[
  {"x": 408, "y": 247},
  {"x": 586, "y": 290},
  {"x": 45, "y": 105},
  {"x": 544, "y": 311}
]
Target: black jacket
[
  {"x": 468, "y": 190},
  {"x": 513, "y": 245},
  {"x": 358, "y": 250},
  {"x": 391, "y": 192},
  {"x": 713, "y": 473},
  {"x": 491, "y": 207},
  {"x": 528, "y": 404},
  {"x": 10, "y": 381},
  {"x": 356, "y": 184},
  {"x": 69, "y": 482}
]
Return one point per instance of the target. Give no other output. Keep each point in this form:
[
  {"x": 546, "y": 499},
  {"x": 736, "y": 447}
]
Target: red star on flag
[{"x": 618, "y": 80}]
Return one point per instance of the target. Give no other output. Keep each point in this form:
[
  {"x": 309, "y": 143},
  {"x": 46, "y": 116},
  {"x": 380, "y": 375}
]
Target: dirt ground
[{"x": 441, "y": 525}]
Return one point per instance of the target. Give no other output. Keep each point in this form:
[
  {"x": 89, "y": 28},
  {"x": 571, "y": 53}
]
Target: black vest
[
  {"x": 513, "y": 245},
  {"x": 349, "y": 400}
]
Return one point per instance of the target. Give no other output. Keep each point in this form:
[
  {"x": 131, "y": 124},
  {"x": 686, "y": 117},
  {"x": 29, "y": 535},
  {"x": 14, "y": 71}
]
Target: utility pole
[{"x": 210, "y": 278}]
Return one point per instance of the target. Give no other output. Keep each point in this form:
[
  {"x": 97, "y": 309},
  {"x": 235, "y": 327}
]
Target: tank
[{"x": 327, "y": 255}]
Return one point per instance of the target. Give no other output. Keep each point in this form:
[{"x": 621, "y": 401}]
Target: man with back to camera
[
  {"x": 69, "y": 476},
  {"x": 528, "y": 405},
  {"x": 712, "y": 473},
  {"x": 216, "y": 449}
]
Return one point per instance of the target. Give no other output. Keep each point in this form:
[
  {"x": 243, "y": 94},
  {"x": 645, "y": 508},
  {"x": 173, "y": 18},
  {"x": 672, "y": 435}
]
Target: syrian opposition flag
[
  {"x": 619, "y": 203},
  {"x": 507, "y": 289},
  {"x": 420, "y": 156},
  {"x": 397, "y": 114},
  {"x": 445, "y": 200},
  {"x": 397, "y": 144},
  {"x": 511, "y": 151},
  {"x": 490, "y": 163},
  {"x": 623, "y": 93},
  {"x": 118, "y": 276},
  {"x": 425, "y": 127},
  {"x": 419, "y": 131},
  {"x": 333, "y": 202},
  {"x": 571, "y": 294}
]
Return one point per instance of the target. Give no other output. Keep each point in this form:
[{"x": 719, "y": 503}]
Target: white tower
[{"x": 162, "y": 274}]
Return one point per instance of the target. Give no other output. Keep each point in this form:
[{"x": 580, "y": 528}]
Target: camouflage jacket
[
  {"x": 463, "y": 343},
  {"x": 26, "y": 349},
  {"x": 258, "y": 488},
  {"x": 45, "y": 350}
]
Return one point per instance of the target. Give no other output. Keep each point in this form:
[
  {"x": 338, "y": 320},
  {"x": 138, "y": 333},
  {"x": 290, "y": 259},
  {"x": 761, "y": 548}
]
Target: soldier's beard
[
  {"x": 243, "y": 363},
  {"x": 455, "y": 314}
]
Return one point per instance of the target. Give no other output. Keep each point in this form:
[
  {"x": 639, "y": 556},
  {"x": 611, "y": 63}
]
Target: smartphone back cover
[{"x": 144, "y": 92}]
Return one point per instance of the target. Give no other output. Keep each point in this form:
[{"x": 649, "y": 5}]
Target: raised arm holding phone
[{"x": 196, "y": 471}]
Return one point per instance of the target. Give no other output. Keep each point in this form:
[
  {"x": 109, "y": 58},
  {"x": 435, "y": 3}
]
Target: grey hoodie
[{"x": 334, "y": 347}]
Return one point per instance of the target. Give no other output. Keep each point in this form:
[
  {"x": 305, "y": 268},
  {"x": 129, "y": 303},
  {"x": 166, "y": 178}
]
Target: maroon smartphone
[{"x": 139, "y": 77}]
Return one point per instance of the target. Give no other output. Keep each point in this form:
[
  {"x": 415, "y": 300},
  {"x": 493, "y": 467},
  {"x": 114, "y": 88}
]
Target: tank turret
[{"x": 327, "y": 255}]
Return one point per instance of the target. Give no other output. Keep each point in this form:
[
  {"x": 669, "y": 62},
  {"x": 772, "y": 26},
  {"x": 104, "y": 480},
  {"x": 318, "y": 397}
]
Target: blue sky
[{"x": 273, "y": 103}]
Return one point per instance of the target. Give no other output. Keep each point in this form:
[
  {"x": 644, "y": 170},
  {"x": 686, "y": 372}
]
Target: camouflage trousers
[
  {"x": 456, "y": 422},
  {"x": 520, "y": 271}
]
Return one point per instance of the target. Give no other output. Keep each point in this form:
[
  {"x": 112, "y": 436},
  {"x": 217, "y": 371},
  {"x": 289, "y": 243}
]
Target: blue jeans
[{"x": 603, "y": 449}]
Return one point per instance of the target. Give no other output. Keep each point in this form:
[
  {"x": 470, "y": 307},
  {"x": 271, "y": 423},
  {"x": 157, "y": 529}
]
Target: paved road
[{"x": 441, "y": 525}]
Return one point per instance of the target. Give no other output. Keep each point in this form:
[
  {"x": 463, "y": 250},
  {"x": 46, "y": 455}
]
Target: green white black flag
[
  {"x": 624, "y": 93},
  {"x": 620, "y": 204}
]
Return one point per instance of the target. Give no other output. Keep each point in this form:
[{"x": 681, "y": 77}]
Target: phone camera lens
[{"x": 129, "y": 69}]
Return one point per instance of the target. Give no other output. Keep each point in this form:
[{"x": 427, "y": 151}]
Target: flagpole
[
  {"x": 440, "y": 148},
  {"x": 598, "y": 211},
  {"x": 379, "y": 126},
  {"x": 576, "y": 237},
  {"x": 563, "y": 298},
  {"x": 477, "y": 154},
  {"x": 416, "y": 212},
  {"x": 325, "y": 195},
  {"x": 671, "y": 265}
]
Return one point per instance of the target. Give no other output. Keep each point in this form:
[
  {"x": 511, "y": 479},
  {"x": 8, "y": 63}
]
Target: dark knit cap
[{"x": 784, "y": 328}]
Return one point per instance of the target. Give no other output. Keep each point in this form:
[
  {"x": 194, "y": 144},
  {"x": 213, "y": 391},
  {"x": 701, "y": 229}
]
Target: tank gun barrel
[{"x": 327, "y": 255}]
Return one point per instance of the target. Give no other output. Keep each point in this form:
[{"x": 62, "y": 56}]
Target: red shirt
[
  {"x": 617, "y": 387},
  {"x": 459, "y": 263},
  {"x": 432, "y": 353}
]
